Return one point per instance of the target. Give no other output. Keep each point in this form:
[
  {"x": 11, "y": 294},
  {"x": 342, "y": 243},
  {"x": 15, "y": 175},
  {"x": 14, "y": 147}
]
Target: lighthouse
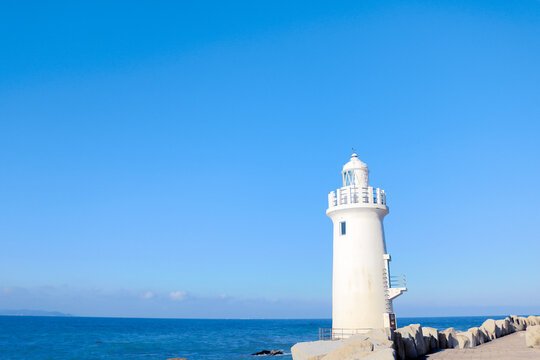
[{"x": 362, "y": 288}]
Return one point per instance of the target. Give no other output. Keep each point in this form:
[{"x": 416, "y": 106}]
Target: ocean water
[{"x": 59, "y": 338}]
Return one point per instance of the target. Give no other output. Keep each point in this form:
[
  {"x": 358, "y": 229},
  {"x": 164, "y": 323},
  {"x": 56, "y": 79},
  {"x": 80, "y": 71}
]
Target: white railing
[
  {"x": 398, "y": 281},
  {"x": 356, "y": 195},
  {"x": 338, "y": 333}
]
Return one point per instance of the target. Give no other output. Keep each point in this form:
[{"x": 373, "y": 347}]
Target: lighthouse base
[{"x": 318, "y": 349}]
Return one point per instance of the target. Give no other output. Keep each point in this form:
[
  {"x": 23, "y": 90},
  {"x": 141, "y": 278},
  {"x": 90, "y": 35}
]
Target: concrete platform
[{"x": 507, "y": 347}]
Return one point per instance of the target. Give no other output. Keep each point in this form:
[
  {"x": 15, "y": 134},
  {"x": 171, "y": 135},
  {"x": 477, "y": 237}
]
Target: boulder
[
  {"x": 523, "y": 320},
  {"x": 431, "y": 339},
  {"x": 484, "y": 335},
  {"x": 399, "y": 347},
  {"x": 470, "y": 337},
  {"x": 315, "y": 350},
  {"x": 408, "y": 341},
  {"x": 381, "y": 345},
  {"x": 503, "y": 326},
  {"x": 384, "y": 354},
  {"x": 490, "y": 328},
  {"x": 446, "y": 338},
  {"x": 268, "y": 353},
  {"x": 516, "y": 323},
  {"x": 518, "y": 326},
  {"x": 462, "y": 341},
  {"x": 477, "y": 336},
  {"x": 532, "y": 336},
  {"x": 380, "y": 338},
  {"x": 419, "y": 339},
  {"x": 511, "y": 328},
  {"x": 534, "y": 320},
  {"x": 413, "y": 341},
  {"x": 351, "y": 350}
]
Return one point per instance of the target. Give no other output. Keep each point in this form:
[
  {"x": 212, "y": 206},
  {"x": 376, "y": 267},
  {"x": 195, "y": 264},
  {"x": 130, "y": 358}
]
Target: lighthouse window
[
  {"x": 349, "y": 178},
  {"x": 343, "y": 227}
]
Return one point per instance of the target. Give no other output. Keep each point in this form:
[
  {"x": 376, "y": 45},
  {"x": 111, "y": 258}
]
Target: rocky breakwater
[{"x": 415, "y": 341}]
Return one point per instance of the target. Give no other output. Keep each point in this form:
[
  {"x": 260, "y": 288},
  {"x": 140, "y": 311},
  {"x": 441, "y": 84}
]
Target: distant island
[{"x": 31, "y": 313}]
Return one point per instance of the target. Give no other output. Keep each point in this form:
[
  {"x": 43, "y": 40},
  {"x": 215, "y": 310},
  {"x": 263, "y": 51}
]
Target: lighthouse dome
[{"x": 354, "y": 163}]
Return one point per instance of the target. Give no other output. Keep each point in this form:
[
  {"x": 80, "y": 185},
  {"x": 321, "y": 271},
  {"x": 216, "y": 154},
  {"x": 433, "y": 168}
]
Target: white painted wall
[{"x": 358, "y": 292}]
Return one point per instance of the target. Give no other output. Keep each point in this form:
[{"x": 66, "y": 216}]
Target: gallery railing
[{"x": 349, "y": 195}]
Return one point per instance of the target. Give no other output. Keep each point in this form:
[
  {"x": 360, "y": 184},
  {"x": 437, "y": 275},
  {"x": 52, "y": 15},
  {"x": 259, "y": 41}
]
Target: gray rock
[
  {"x": 472, "y": 334},
  {"x": 380, "y": 338},
  {"x": 413, "y": 341},
  {"x": 384, "y": 354},
  {"x": 518, "y": 327},
  {"x": 431, "y": 339},
  {"x": 532, "y": 336},
  {"x": 511, "y": 328},
  {"x": 524, "y": 321},
  {"x": 355, "y": 349},
  {"x": 462, "y": 341},
  {"x": 268, "y": 353},
  {"x": 517, "y": 324},
  {"x": 408, "y": 341},
  {"x": 533, "y": 320},
  {"x": 482, "y": 336},
  {"x": 477, "y": 337},
  {"x": 490, "y": 328},
  {"x": 446, "y": 338},
  {"x": 503, "y": 326},
  {"x": 315, "y": 350},
  {"x": 399, "y": 346}
]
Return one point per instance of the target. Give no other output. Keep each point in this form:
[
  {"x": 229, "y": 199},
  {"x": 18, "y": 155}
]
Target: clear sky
[{"x": 173, "y": 159}]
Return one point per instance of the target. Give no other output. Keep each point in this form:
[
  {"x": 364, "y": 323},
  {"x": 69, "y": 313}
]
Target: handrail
[
  {"x": 340, "y": 333},
  {"x": 398, "y": 281}
]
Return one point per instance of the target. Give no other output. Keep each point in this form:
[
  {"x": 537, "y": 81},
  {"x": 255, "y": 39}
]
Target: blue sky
[{"x": 173, "y": 159}]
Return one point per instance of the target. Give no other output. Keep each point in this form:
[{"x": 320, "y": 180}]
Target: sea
[{"x": 59, "y": 338}]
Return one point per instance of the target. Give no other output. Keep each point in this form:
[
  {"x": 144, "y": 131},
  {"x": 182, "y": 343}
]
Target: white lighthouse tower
[{"x": 362, "y": 289}]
